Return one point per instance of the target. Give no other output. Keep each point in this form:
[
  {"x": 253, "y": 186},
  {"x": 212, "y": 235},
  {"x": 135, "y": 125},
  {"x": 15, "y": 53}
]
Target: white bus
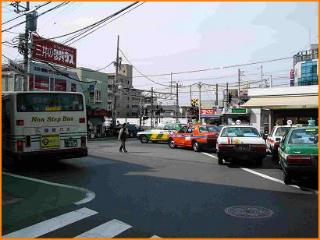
[{"x": 47, "y": 124}]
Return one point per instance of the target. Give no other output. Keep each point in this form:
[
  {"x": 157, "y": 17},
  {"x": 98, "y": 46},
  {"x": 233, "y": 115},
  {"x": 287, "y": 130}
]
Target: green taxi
[
  {"x": 298, "y": 153},
  {"x": 160, "y": 134}
]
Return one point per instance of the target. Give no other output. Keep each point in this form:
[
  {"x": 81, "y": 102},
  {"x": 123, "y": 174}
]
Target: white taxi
[
  {"x": 240, "y": 142},
  {"x": 274, "y": 138}
]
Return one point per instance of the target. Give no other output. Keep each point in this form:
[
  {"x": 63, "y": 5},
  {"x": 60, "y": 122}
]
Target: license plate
[
  {"x": 243, "y": 147},
  {"x": 70, "y": 142},
  {"x": 50, "y": 141}
]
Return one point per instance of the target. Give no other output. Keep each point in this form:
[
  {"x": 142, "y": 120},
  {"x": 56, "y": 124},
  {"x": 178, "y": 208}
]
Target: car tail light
[
  {"x": 226, "y": 146},
  {"x": 83, "y": 141},
  {"x": 258, "y": 147},
  {"x": 298, "y": 159},
  {"x": 19, "y": 122},
  {"x": 82, "y": 120},
  {"x": 20, "y": 146},
  {"x": 28, "y": 141}
]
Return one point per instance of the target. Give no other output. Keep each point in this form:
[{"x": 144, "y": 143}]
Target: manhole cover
[{"x": 248, "y": 212}]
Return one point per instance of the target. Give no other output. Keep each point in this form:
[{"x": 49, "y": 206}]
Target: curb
[{"x": 89, "y": 195}]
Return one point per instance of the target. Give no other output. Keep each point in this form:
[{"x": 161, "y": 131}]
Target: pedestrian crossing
[{"x": 65, "y": 225}]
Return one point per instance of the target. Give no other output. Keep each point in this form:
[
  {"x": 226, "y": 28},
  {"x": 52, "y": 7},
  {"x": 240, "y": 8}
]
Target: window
[
  {"x": 45, "y": 102},
  {"x": 60, "y": 85},
  {"x": 41, "y": 83},
  {"x": 304, "y": 136},
  {"x": 73, "y": 87},
  {"x": 240, "y": 132},
  {"x": 281, "y": 131}
]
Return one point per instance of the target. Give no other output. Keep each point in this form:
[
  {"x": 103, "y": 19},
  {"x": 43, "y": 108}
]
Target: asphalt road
[{"x": 180, "y": 193}]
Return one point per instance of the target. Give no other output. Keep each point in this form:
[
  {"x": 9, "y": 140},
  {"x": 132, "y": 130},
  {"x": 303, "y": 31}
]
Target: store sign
[
  {"x": 49, "y": 51},
  {"x": 239, "y": 110},
  {"x": 208, "y": 111}
]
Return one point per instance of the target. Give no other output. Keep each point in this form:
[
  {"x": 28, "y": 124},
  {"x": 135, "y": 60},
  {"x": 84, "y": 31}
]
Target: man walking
[{"x": 123, "y": 134}]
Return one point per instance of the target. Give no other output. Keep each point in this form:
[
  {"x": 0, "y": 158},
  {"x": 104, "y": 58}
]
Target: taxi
[
  {"x": 240, "y": 142},
  {"x": 196, "y": 137},
  {"x": 274, "y": 139},
  {"x": 160, "y": 134},
  {"x": 298, "y": 153}
]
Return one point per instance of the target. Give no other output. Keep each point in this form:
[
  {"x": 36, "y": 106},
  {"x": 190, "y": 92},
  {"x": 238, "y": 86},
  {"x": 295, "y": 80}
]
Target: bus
[{"x": 43, "y": 124}]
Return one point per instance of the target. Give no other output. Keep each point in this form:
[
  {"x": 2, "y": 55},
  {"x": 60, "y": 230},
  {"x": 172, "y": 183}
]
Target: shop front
[
  {"x": 298, "y": 104},
  {"x": 231, "y": 115}
]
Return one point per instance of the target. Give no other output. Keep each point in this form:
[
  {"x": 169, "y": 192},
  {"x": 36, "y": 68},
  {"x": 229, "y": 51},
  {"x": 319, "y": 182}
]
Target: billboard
[
  {"x": 49, "y": 51},
  {"x": 208, "y": 111}
]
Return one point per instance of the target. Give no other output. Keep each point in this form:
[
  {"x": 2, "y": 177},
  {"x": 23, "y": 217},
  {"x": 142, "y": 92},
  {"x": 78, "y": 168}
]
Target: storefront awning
[{"x": 283, "y": 102}]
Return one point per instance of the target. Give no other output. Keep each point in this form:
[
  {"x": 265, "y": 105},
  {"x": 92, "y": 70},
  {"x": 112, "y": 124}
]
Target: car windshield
[
  {"x": 208, "y": 129},
  {"x": 240, "y": 132},
  {"x": 281, "y": 131},
  {"x": 304, "y": 136}
]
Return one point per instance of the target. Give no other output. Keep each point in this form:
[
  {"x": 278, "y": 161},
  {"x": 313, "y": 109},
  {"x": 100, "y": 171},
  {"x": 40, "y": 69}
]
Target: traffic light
[{"x": 194, "y": 102}]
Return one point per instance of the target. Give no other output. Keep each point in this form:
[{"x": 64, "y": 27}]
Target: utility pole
[
  {"x": 239, "y": 79},
  {"x": 177, "y": 102},
  {"x": 114, "y": 113},
  {"x": 271, "y": 81},
  {"x": 261, "y": 74},
  {"x": 171, "y": 82},
  {"x": 216, "y": 103},
  {"x": 151, "y": 107},
  {"x": 26, "y": 52},
  {"x": 190, "y": 93},
  {"x": 200, "y": 86},
  {"x": 227, "y": 96}
]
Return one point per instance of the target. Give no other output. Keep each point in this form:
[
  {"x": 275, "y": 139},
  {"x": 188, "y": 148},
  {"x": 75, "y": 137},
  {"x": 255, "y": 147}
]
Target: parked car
[
  {"x": 159, "y": 134},
  {"x": 274, "y": 138},
  {"x": 133, "y": 130},
  {"x": 197, "y": 137},
  {"x": 298, "y": 153},
  {"x": 240, "y": 142}
]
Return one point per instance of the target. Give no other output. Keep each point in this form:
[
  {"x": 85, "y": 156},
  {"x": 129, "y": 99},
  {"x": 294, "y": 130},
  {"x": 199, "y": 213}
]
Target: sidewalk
[{"x": 25, "y": 199}]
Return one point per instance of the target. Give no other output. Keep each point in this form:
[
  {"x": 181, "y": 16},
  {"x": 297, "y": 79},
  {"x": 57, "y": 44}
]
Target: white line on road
[
  {"x": 210, "y": 155},
  {"x": 52, "y": 224},
  {"x": 155, "y": 236},
  {"x": 107, "y": 230},
  {"x": 89, "y": 195}
]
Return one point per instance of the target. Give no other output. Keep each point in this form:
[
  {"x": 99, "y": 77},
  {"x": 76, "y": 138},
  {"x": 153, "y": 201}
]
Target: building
[
  {"x": 274, "y": 106},
  {"x": 42, "y": 77},
  {"x": 305, "y": 64},
  {"x": 127, "y": 98},
  {"x": 95, "y": 90}
]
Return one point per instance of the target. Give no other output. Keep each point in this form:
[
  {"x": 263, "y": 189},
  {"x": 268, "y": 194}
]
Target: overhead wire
[{"x": 49, "y": 10}]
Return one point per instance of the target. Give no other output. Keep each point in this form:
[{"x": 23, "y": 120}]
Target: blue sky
[{"x": 171, "y": 37}]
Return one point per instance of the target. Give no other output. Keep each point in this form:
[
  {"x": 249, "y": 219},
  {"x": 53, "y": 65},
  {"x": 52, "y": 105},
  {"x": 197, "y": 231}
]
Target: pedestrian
[{"x": 123, "y": 134}]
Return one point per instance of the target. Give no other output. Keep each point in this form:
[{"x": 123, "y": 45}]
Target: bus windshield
[{"x": 48, "y": 102}]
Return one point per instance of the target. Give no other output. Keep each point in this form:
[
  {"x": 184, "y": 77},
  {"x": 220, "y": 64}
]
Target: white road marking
[
  {"x": 52, "y": 224},
  {"x": 89, "y": 195},
  {"x": 155, "y": 236},
  {"x": 107, "y": 230},
  {"x": 215, "y": 157}
]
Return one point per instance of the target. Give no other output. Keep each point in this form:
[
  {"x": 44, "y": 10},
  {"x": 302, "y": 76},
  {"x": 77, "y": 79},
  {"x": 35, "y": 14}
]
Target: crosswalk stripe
[
  {"x": 52, "y": 224},
  {"x": 106, "y": 230}
]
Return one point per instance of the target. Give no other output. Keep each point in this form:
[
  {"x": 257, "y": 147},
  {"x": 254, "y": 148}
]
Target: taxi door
[
  {"x": 187, "y": 140},
  {"x": 179, "y": 136}
]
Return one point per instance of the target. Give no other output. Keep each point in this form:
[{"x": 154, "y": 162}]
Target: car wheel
[
  {"x": 286, "y": 178},
  {"x": 220, "y": 159},
  {"x": 144, "y": 139},
  {"x": 195, "y": 146},
  {"x": 172, "y": 144}
]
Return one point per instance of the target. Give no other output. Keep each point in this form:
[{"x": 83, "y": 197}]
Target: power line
[
  {"x": 94, "y": 30},
  {"x": 38, "y": 7},
  {"x": 96, "y": 23},
  {"x": 49, "y": 10},
  {"x": 218, "y": 68},
  {"x": 141, "y": 72}
]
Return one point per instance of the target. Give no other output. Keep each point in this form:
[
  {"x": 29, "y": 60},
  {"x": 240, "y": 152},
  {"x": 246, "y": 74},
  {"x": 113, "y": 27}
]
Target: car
[
  {"x": 240, "y": 142},
  {"x": 274, "y": 138},
  {"x": 197, "y": 137},
  {"x": 160, "y": 134},
  {"x": 298, "y": 153},
  {"x": 133, "y": 130}
]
